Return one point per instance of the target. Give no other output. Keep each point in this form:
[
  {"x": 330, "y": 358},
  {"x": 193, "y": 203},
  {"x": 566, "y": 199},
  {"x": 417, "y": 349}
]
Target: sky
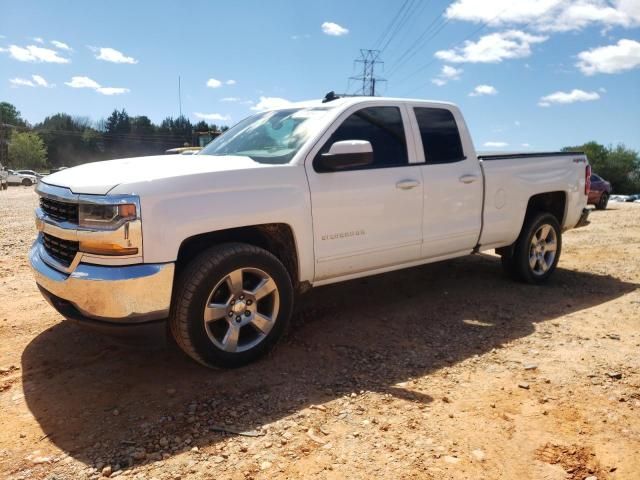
[{"x": 527, "y": 74}]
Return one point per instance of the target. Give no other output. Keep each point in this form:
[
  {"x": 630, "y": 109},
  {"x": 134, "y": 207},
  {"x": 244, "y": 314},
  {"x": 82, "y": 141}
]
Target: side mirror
[{"x": 345, "y": 154}]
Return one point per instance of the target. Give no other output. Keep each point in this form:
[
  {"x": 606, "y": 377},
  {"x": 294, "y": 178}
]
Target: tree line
[{"x": 66, "y": 140}]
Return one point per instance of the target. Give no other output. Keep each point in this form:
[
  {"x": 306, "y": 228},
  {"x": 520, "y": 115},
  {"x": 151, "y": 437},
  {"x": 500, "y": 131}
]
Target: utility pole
[
  {"x": 369, "y": 59},
  {"x": 179, "y": 96},
  {"x": 4, "y": 144}
]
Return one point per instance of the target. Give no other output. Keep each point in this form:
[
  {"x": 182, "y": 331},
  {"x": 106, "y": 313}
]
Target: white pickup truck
[{"x": 217, "y": 244}]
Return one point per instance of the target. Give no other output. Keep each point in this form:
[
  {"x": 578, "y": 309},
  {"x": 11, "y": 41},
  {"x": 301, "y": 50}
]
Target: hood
[{"x": 99, "y": 178}]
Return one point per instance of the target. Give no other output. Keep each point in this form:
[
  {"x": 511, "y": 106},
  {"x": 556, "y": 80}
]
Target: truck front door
[{"x": 370, "y": 217}]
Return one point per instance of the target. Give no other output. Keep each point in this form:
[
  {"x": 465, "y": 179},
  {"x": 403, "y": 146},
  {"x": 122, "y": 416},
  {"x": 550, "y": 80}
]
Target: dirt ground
[{"x": 447, "y": 371}]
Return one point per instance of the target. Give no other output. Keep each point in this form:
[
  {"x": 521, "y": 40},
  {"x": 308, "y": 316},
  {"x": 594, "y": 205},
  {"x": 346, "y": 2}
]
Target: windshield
[{"x": 269, "y": 137}]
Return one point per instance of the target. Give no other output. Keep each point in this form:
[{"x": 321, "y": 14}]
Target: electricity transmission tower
[{"x": 369, "y": 59}]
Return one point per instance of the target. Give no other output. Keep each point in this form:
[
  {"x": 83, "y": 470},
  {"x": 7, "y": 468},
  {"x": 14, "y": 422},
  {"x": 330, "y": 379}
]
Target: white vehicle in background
[
  {"x": 16, "y": 178},
  {"x": 30, "y": 172},
  {"x": 218, "y": 243}
]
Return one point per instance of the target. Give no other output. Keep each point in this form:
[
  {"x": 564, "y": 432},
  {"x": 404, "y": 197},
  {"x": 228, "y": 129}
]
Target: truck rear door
[{"x": 453, "y": 187}]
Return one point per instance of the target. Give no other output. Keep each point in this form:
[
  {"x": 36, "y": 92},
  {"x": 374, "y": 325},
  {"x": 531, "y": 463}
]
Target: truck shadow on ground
[{"x": 97, "y": 401}]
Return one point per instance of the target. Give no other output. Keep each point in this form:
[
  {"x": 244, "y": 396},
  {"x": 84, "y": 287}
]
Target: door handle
[
  {"x": 407, "y": 184},
  {"x": 468, "y": 178}
]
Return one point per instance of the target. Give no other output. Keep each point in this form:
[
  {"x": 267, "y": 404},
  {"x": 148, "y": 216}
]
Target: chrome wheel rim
[
  {"x": 543, "y": 248},
  {"x": 241, "y": 310}
]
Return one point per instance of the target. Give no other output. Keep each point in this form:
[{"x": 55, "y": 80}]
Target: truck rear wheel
[
  {"x": 535, "y": 254},
  {"x": 231, "y": 305}
]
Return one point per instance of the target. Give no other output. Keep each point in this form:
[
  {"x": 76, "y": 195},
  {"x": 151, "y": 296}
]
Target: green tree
[
  {"x": 619, "y": 165},
  {"x": 201, "y": 126},
  {"x": 10, "y": 115},
  {"x": 27, "y": 151},
  {"x": 69, "y": 140}
]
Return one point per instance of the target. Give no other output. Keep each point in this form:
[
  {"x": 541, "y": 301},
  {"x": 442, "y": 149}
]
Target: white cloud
[
  {"x": 38, "y": 39},
  {"x": 548, "y": 15},
  {"x": 212, "y": 116},
  {"x": 493, "y": 48},
  {"x": 333, "y": 29},
  {"x": 625, "y": 55},
  {"x": 36, "y": 81},
  {"x": 86, "y": 82},
  {"x": 230, "y": 99},
  {"x": 573, "y": 96},
  {"x": 230, "y": 82},
  {"x": 33, "y": 53},
  {"x": 446, "y": 74},
  {"x": 525, "y": 145},
  {"x": 269, "y": 103},
  {"x": 484, "y": 90},
  {"x": 495, "y": 144},
  {"x": 82, "y": 82},
  {"x": 214, "y": 83},
  {"x": 61, "y": 45},
  {"x": 112, "y": 90},
  {"x": 40, "y": 81},
  {"x": 112, "y": 55},
  {"x": 21, "y": 82}
]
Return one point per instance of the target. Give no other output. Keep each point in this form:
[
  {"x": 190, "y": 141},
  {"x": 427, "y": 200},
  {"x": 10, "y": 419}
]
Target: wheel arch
[
  {"x": 276, "y": 238},
  {"x": 554, "y": 203}
]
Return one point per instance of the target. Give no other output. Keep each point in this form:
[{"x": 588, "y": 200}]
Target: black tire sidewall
[
  {"x": 26, "y": 182},
  {"x": 213, "y": 272},
  {"x": 604, "y": 201},
  {"x": 521, "y": 254}
]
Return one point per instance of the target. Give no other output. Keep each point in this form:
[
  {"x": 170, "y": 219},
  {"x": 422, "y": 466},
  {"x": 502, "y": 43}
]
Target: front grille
[
  {"x": 64, "y": 251},
  {"x": 61, "y": 211}
]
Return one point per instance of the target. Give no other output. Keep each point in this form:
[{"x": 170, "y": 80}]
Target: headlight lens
[{"x": 105, "y": 217}]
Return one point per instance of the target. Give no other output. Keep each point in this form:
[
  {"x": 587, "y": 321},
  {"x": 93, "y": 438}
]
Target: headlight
[{"x": 105, "y": 217}]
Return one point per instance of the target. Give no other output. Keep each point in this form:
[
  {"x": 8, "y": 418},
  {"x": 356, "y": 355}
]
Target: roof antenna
[{"x": 329, "y": 97}]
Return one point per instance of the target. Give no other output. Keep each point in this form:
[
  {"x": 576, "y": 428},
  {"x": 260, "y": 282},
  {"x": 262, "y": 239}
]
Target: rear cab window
[
  {"x": 383, "y": 128},
  {"x": 440, "y": 135}
]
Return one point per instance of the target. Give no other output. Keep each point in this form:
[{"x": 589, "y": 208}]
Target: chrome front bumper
[{"x": 119, "y": 294}]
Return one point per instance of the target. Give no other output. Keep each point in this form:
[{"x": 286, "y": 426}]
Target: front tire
[
  {"x": 231, "y": 305},
  {"x": 537, "y": 250},
  {"x": 604, "y": 201},
  {"x": 27, "y": 182}
]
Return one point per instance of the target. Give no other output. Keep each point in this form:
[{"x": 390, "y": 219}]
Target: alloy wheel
[
  {"x": 241, "y": 310},
  {"x": 542, "y": 250}
]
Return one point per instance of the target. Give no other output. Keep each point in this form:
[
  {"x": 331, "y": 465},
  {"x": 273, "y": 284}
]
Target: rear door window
[{"x": 440, "y": 136}]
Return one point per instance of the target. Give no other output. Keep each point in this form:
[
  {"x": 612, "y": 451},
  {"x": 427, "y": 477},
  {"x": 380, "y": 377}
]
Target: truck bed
[{"x": 512, "y": 179}]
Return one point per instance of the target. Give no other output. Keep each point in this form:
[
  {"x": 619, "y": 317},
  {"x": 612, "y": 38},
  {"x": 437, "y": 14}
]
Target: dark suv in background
[{"x": 600, "y": 192}]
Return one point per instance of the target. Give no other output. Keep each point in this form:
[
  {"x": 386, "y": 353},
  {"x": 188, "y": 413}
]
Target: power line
[
  {"x": 378, "y": 43},
  {"x": 401, "y": 23},
  {"x": 473, "y": 33},
  {"x": 369, "y": 59},
  {"x": 410, "y": 52}
]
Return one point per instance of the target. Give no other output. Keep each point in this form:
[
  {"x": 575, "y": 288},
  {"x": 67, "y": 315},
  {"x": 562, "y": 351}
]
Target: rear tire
[
  {"x": 604, "y": 201},
  {"x": 537, "y": 249},
  {"x": 231, "y": 305}
]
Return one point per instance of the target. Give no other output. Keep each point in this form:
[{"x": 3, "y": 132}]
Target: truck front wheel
[
  {"x": 535, "y": 254},
  {"x": 231, "y": 305}
]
